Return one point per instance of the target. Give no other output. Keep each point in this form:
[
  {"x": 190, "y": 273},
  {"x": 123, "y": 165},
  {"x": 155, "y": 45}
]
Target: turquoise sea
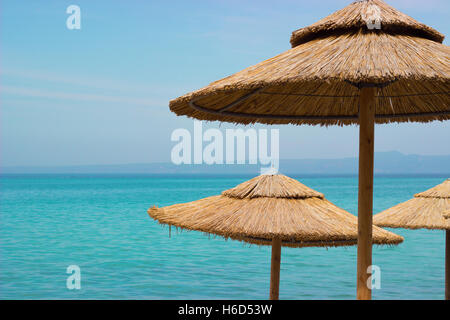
[{"x": 100, "y": 223}]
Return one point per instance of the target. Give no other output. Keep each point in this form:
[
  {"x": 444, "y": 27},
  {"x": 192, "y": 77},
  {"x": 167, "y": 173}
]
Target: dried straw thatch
[
  {"x": 423, "y": 211},
  {"x": 446, "y": 214},
  {"x": 318, "y": 80},
  {"x": 392, "y": 20},
  {"x": 268, "y": 207}
]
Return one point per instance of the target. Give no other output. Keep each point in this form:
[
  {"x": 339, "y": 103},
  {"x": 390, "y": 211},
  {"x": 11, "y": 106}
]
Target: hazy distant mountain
[{"x": 385, "y": 162}]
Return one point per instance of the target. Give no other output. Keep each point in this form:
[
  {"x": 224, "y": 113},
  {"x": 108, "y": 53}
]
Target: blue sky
[{"x": 100, "y": 95}]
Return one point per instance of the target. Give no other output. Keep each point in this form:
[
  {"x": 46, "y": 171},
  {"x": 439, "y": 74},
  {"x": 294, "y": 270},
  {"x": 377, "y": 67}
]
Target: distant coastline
[{"x": 385, "y": 163}]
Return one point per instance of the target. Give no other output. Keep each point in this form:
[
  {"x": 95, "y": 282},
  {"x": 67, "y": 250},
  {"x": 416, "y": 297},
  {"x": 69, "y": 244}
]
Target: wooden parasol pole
[
  {"x": 365, "y": 190},
  {"x": 275, "y": 269},
  {"x": 447, "y": 266}
]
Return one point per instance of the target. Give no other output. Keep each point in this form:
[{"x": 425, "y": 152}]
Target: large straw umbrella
[
  {"x": 424, "y": 211},
  {"x": 367, "y": 63},
  {"x": 271, "y": 210}
]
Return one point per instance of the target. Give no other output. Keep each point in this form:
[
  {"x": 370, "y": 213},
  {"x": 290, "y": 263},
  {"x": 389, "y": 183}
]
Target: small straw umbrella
[
  {"x": 424, "y": 211},
  {"x": 271, "y": 210},
  {"x": 367, "y": 63}
]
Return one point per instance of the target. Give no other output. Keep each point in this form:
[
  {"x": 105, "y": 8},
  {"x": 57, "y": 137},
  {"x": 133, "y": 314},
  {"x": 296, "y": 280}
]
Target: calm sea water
[{"x": 99, "y": 223}]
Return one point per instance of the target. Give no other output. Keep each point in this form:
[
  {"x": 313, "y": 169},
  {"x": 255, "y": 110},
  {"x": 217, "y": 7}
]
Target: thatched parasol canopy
[
  {"x": 425, "y": 210},
  {"x": 318, "y": 80},
  {"x": 268, "y": 207},
  {"x": 271, "y": 210}
]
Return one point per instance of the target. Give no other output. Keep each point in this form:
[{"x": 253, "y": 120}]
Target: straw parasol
[
  {"x": 367, "y": 63},
  {"x": 271, "y": 210},
  {"x": 424, "y": 211}
]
